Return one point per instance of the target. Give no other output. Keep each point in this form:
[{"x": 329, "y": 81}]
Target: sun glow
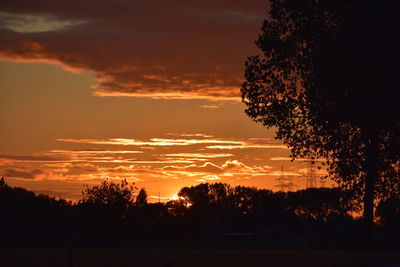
[{"x": 176, "y": 197}]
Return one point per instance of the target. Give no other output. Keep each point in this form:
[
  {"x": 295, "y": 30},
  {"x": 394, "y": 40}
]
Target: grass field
[{"x": 196, "y": 257}]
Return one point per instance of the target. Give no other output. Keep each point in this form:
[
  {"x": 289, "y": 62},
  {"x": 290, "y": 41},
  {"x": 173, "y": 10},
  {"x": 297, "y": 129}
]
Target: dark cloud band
[{"x": 157, "y": 49}]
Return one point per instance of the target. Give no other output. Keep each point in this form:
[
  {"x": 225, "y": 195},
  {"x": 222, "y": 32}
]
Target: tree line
[{"x": 118, "y": 214}]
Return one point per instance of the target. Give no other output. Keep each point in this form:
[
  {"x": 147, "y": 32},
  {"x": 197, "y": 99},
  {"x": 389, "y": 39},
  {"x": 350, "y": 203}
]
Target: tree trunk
[{"x": 369, "y": 193}]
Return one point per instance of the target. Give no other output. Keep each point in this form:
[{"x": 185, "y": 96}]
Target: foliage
[
  {"x": 222, "y": 201},
  {"x": 141, "y": 199},
  {"x": 34, "y": 217},
  {"x": 323, "y": 204},
  {"x": 327, "y": 79},
  {"x": 108, "y": 201},
  {"x": 109, "y": 193},
  {"x": 177, "y": 208}
]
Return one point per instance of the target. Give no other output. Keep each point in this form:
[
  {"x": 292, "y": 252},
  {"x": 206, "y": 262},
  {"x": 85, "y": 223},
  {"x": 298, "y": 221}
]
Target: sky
[{"x": 148, "y": 91}]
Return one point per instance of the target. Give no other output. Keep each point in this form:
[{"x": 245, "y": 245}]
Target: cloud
[
  {"x": 210, "y": 106},
  {"x": 67, "y": 156},
  {"x": 34, "y": 158},
  {"x": 158, "y": 49},
  {"x": 94, "y": 151},
  {"x": 248, "y": 145},
  {"x": 300, "y": 160},
  {"x": 179, "y": 157},
  {"x": 17, "y": 173},
  {"x": 191, "y": 135},
  {"x": 281, "y": 159},
  {"x": 234, "y": 164},
  {"x": 77, "y": 169},
  {"x": 29, "y": 23},
  {"x": 207, "y": 167},
  {"x": 152, "y": 142},
  {"x": 285, "y": 173},
  {"x": 228, "y": 168},
  {"x": 200, "y": 155},
  {"x": 174, "y": 160},
  {"x": 208, "y": 178},
  {"x": 212, "y": 143}
]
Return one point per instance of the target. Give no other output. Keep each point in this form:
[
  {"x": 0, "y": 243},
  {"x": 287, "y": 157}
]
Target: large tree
[{"x": 328, "y": 80}]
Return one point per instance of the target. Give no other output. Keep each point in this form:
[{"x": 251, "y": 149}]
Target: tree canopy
[
  {"x": 109, "y": 193},
  {"x": 327, "y": 78},
  {"x": 109, "y": 200}
]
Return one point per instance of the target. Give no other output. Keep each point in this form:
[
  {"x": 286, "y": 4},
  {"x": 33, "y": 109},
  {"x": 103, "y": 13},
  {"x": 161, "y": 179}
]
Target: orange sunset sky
[{"x": 143, "y": 90}]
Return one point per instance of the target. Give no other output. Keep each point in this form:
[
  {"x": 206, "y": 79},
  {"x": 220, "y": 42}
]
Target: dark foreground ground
[{"x": 158, "y": 257}]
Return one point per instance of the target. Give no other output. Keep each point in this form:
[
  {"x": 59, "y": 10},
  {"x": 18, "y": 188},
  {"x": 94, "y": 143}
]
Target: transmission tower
[
  {"x": 284, "y": 183},
  {"x": 311, "y": 181}
]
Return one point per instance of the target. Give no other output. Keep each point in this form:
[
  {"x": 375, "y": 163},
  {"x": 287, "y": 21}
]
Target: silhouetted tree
[
  {"x": 196, "y": 196},
  {"x": 328, "y": 79},
  {"x": 30, "y": 219},
  {"x": 109, "y": 193},
  {"x": 243, "y": 198},
  {"x": 177, "y": 208},
  {"x": 244, "y": 208},
  {"x": 209, "y": 205},
  {"x": 2, "y": 182},
  {"x": 141, "y": 199},
  {"x": 109, "y": 200},
  {"x": 321, "y": 204}
]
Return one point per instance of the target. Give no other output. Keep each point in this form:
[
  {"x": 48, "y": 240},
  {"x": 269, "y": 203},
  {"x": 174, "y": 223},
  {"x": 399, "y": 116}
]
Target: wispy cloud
[
  {"x": 93, "y": 151},
  {"x": 209, "y": 178},
  {"x": 214, "y": 143},
  {"x": 21, "y": 173},
  {"x": 159, "y": 162},
  {"x": 35, "y": 158},
  {"x": 151, "y": 142},
  {"x": 198, "y": 135},
  {"x": 297, "y": 160},
  {"x": 210, "y": 106},
  {"x": 199, "y": 155},
  {"x": 31, "y": 23},
  {"x": 281, "y": 158},
  {"x": 245, "y": 145}
]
